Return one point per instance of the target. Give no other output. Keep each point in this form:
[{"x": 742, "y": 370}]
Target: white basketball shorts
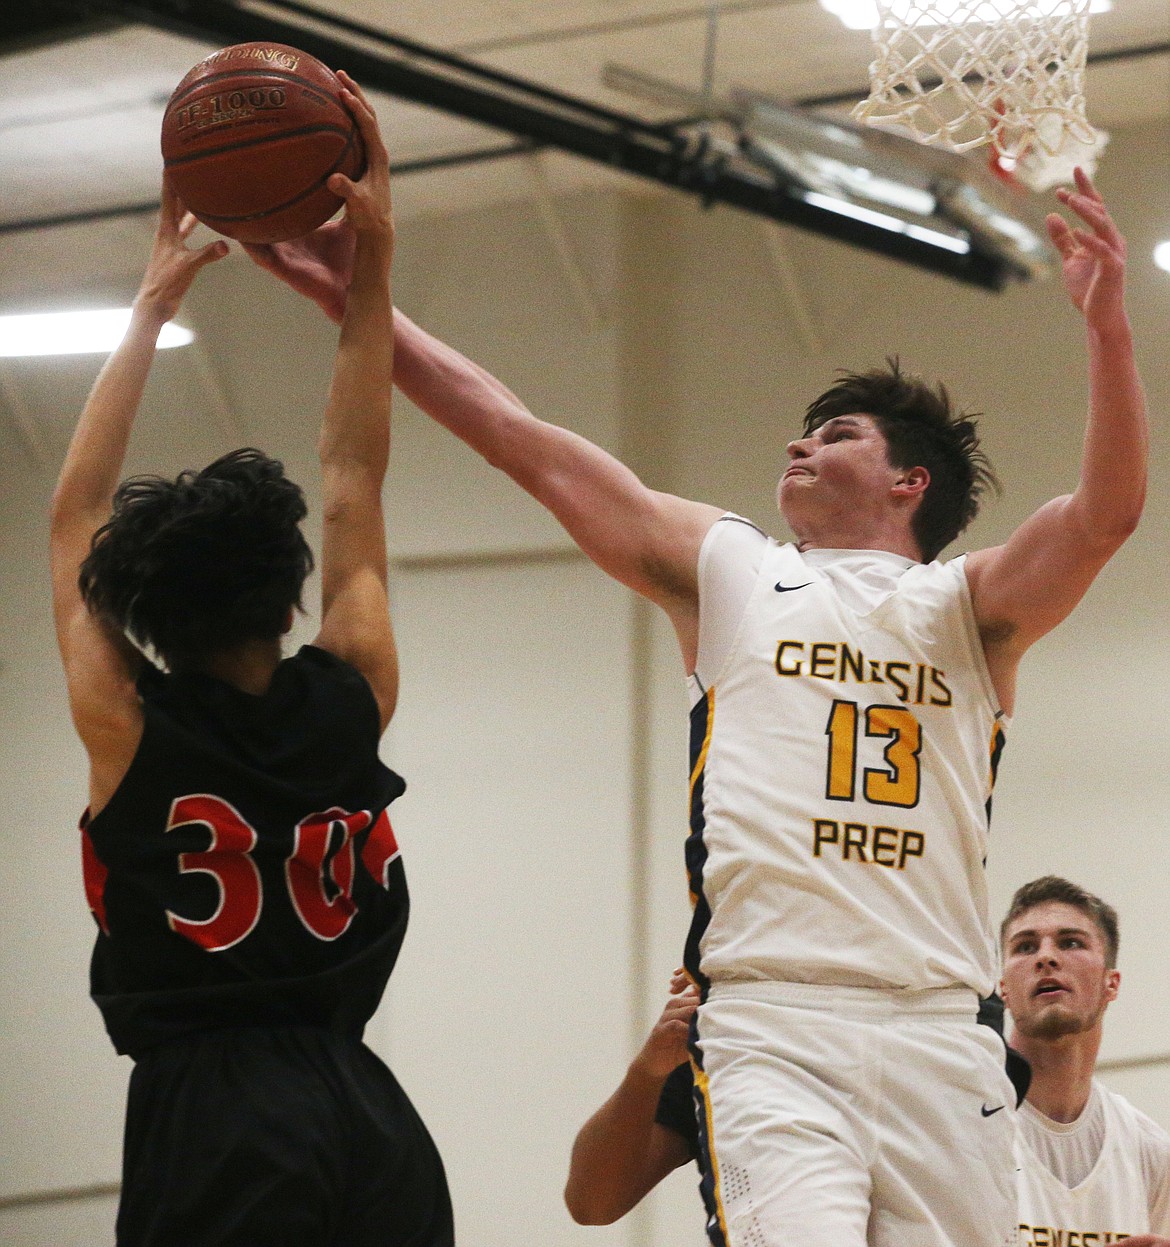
[{"x": 843, "y": 1116}]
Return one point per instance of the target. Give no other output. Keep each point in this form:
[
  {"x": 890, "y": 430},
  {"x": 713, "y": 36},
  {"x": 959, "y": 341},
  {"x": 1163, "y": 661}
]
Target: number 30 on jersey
[{"x": 325, "y": 912}]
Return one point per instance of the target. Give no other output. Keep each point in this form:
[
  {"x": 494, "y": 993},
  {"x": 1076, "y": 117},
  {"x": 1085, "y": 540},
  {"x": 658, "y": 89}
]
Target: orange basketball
[{"x": 250, "y": 137}]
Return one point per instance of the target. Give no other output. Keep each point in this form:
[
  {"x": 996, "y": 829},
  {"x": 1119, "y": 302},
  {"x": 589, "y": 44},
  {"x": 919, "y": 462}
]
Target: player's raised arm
[
  {"x": 355, "y": 433},
  {"x": 646, "y": 539},
  {"x": 100, "y": 664},
  {"x": 621, "y": 1153},
  {"x": 1025, "y": 587}
]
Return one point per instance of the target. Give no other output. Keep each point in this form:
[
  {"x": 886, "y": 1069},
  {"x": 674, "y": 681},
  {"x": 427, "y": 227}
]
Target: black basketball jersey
[{"x": 245, "y": 871}]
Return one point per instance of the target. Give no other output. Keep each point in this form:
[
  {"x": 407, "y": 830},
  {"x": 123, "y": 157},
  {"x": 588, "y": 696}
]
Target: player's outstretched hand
[
  {"x": 319, "y": 265},
  {"x": 1093, "y": 255},
  {"x": 173, "y": 265},
  {"x": 666, "y": 1046},
  {"x": 367, "y": 201}
]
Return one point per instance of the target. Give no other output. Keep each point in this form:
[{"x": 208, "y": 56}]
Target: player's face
[
  {"x": 1055, "y": 980},
  {"x": 840, "y": 473}
]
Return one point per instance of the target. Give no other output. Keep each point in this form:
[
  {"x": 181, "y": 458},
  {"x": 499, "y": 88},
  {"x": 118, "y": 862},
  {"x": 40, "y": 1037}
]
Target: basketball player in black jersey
[{"x": 239, "y": 860}]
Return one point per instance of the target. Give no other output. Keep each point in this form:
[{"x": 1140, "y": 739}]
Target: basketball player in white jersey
[
  {"x": 849, "y": 702},
  {"x": 1092, "y": 1169}
]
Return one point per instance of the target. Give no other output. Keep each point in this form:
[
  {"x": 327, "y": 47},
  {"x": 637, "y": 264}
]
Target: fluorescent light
[
  {"x": 1162, "y": 255},
  {"x": 881, "y": 219},
  {"x": 864, "y": 15},
  {"x": 95, "y": 332}
]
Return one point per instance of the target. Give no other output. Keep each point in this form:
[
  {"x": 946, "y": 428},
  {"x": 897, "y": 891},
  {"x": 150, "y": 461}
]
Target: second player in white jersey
[
  {"x": 1092, "y": 1169},
  {"x": 844, "y": 760},
  {"x": 1094, "y": 1181}
]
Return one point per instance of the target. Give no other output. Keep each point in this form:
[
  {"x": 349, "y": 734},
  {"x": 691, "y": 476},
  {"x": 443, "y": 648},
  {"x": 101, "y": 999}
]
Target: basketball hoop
[{"x": 961, "y": 74}]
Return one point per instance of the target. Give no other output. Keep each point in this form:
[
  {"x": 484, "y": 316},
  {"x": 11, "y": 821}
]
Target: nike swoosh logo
[
  {"x": 790, "y": 588},
  {"x": 991, "y": 1112}
]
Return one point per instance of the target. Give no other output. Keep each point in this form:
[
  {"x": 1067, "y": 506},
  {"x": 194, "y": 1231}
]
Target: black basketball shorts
[{"x": 276, "y": 1137}]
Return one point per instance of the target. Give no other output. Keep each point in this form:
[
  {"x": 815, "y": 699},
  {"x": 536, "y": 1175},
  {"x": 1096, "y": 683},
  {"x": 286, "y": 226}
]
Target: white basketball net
[{"x": 962, "y": 73}]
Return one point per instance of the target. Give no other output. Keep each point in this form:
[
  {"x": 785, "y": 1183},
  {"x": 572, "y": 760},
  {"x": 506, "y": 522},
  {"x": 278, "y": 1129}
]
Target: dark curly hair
[
  {"x": 921, "y": 430},
  {"x": 197, "y": 565},
  {"x": 1050, "y": 888}
]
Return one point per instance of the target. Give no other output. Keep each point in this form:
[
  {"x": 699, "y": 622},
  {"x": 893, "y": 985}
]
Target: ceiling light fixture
[
  {"x": 94, "y": 332},
  {"x": 1162, "y": 255}
]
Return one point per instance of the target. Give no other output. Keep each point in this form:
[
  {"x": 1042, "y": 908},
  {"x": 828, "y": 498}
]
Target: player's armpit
[{"x": 101, "y": 671}]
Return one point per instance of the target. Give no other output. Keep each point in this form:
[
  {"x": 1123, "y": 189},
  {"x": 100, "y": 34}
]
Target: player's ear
[
  {"x": 911, "y": 483},
  {"x": 1112, "y": 983}
]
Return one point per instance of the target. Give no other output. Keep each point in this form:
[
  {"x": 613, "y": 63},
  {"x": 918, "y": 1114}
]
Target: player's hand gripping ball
[{"x": 250, "y": 137}]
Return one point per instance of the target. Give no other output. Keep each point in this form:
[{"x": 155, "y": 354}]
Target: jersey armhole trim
[
  {"x": 704, "y": 558},
  {"x": 975, "y": 642}
]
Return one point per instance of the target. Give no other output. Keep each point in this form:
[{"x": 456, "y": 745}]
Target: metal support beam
[
  {"x": 793, "y": 291},
  {"x": 440, "y": 80},
  {"x": 590, "y": 306}
]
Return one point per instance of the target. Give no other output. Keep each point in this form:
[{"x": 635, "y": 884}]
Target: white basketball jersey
[
  {"x": 1116, "y": 1199},
  {"x": 842, "y": 766}
]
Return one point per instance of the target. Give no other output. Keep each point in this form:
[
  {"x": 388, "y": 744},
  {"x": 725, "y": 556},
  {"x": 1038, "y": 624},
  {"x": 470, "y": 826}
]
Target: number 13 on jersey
[{"x": 898, "y": 782}]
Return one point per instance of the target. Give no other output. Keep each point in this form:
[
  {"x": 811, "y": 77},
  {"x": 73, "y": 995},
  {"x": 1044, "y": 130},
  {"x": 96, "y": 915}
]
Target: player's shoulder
[
  {"x": 738, "y": 528},
  {"x": 328, "y": 671},
  {"x": 1152, "y": 1135},
  {"x": 941, "y": 578},
  {"x": 732, "y": 540},
  {"x": 942, "y": 569}
]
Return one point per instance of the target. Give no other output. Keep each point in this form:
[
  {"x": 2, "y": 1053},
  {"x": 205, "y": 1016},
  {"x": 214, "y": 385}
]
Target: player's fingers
[
  {"x": 1088, "y": 209},
  {"x": 187, "y": 223},
  {"x": 354, "y": 88},
  {"x": 1060, "y": 233},
  {"x": 367, "y": 121},
  {"x": 1097, "y": 245},
  {"x": 341, "y": 186},
  {"x": 171, "y": 208},
  {"x": 1085, "y": 184},
  {"x": 207, "y": 255},
  {"x": 1093, "y": 212},
  {"x": 262, "y": 252}
]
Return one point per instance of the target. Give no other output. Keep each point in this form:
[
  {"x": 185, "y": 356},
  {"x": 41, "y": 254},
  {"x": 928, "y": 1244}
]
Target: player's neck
[
  {"x": 853, "y": 523},
  {"x": 843, "y": 538},
  {"x": 249, "y": 667},
  {"x": 1062, "y": 1072}
]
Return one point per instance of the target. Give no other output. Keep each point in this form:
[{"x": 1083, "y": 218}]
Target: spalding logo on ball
[{"x": 250, "y": 137}]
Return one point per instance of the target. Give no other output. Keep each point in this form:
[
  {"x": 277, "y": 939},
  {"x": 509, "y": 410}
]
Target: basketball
[{"x": 251, "y": 135}]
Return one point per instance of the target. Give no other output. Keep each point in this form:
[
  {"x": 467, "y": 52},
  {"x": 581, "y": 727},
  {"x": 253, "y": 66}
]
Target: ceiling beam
[{"x": 661, "y": 153}]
